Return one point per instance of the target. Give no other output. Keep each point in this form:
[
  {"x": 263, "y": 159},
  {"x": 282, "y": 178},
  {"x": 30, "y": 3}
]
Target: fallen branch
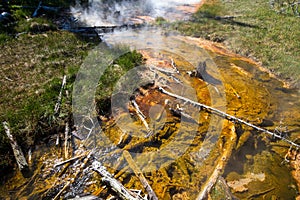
[
  {"x": 142, "y": 117},
  {"x": 57, "y": 105},
  {"x": 206, "y": 188},
  {"x": 19, "y": 156},
  {"x": 139, "y": 174},
  {"x": 165, "y": 71},
  {"x": 69, "y": 160},
  {"x": 226, "y": 116},
  {"x": 174, "y": 66},
  {"x": 123, "y": 192}
]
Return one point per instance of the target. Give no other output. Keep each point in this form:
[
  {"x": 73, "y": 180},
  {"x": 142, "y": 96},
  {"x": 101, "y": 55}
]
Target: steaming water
[{"x": 99, "y": 13}]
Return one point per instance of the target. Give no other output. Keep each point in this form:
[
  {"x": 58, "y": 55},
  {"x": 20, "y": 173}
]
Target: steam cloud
[{"x": 117, "y": 12}]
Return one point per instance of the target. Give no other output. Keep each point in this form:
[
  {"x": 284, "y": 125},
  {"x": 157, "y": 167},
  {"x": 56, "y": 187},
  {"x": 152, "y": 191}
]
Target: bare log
[
  {"x": 227, "y": 116},
  {"x": 139, "y": 174},
  {"x": 219, "y": 169},
  {"x": 19, "y": 156},
  {"x": 123, "y": 192},
  {"x": 57, "y": 105}
]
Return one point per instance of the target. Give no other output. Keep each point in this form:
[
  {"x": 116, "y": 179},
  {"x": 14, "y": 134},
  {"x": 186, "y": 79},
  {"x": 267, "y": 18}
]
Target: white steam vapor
[{"x": 117, "y": 12}]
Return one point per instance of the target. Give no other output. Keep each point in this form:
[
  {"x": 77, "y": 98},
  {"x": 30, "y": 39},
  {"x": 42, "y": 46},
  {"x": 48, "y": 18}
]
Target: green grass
[
  {"x": 111, "y": 76},
  {"x": 257, "y": 32},
  {"x": 32, "y": 67}
]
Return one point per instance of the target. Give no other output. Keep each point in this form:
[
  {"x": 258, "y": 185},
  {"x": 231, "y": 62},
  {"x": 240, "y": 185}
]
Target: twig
[
  {"x": 19, "y": 156},
  {"x": 57, "y": 105},
  {"x": 69, "y": 160},
  {"x": 8, "y": 79},
  {"x": 57, "y": 140},
  {"x": 136, "y": 106},
  {"x": 152, "y": 67},
  {"x": 139, "y": 174},
  {"x": 123, "y": 192},
  {"x": 226, "y": 116},
  {"x": 66, "y": 146},
  {"x": 89, "y": 129},
  {"x": 174, "y": 66}
]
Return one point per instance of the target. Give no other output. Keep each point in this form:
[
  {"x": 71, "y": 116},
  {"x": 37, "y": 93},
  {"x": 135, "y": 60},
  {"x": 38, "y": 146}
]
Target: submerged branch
[
  {"x": 206, "y": 188},
  {"x": 142, "y": 117},
  {"x": 139, "y": 174}
]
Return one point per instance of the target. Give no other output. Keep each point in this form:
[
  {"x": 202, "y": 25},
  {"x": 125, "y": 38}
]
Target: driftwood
[
  {"x": 227, "y": 116},
  {"x": 123, "y": 192},
  {"x": 57, "y": 105},
  {"x": 19, "y": 156},
  {"x": 139, "y": 174},
  {"x": 206, "y": 188}
]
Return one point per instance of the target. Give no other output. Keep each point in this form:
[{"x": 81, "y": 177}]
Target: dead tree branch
[
  {"x": 69, "y": 160},
  {"x": 19, "y": 156},
  {"x": 57, "y": 105},
  {"x": 123, "y": 192},
  {"x": 142, "y": 117},
  {"x": 227, "y": 116},
  {"x": 139, "y": 174}
]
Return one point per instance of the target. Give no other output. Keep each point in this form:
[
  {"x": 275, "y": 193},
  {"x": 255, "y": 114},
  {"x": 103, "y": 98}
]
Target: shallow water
[{"x": 183, "y": 152}]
